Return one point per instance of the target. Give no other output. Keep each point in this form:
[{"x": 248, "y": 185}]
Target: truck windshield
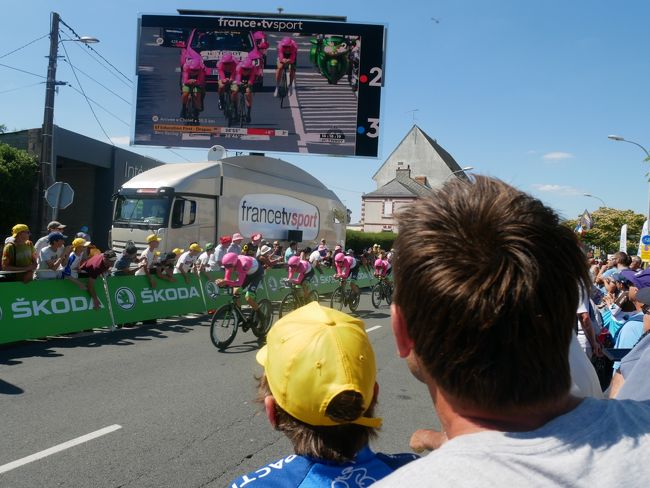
[{"x": 142, "y": 211}]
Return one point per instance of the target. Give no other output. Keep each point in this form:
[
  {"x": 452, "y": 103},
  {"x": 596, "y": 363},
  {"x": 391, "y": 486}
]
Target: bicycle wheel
[
  {"x": 260, "y": 328},
  {"x": 283, "y": 89},
  {"x": 355, "y": 298},
  {"x": 338, "y": 299},
  {"x": 288, "y": 304},
  {"x": 242, "y": 109},
  {"x": 224, "y": 326},
  {"x": 375, "y": 295},
  {"x": 388, "y": 293},
  {"x": 312, "y": 296}
]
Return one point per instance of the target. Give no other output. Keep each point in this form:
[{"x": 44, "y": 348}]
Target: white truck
[{"x": 197, "y": 202}]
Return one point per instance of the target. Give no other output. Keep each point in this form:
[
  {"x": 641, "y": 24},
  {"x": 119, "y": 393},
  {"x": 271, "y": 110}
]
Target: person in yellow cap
[
  {"x": 319, "y": 388},
  {"x": 71, "y": 265},
  {"x": 148, "y": 257},
  {"x": 187, "y": 260},
  {"x": 19, "y": 255}
]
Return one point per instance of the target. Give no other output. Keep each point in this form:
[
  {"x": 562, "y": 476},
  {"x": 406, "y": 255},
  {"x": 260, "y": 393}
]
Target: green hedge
[{"x": 359, "y": 241}]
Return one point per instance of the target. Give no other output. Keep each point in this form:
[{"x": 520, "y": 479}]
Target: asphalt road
[{"x": 175, "y": 411}]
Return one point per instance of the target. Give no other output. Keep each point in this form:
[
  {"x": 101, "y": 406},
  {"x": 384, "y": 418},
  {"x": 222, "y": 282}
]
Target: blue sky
[{"x": 521, "y": 90}]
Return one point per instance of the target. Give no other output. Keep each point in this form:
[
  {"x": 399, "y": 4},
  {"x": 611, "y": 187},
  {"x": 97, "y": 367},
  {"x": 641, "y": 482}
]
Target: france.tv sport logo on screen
[{"x": 262, "y": 24}]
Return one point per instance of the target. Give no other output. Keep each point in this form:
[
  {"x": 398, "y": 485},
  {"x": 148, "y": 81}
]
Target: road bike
[
  {"x": 229, "y": 317},
  {"x": 343, "y": 295},
  {"x": 295, "y": 298},
  {"x": 191, "y": 108},
  {"x": 283, "y": 87},
  {"x": 240, "y": 111},
  {"x": 382, "y": 290}
]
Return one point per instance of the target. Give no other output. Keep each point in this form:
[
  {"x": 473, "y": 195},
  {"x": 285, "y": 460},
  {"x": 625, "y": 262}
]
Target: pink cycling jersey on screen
[
  {"x": 243, "y": 266},
  {"x": 248, "y": 77},
  {"x": 226, "y": 70},
  {"x": 193, "y": 74},
  {"x": 303, "y": 268},
  {"x": 381, "y": 267},
  {"x": 288, "y": 51},
  {"x": 343, "y": 268}
]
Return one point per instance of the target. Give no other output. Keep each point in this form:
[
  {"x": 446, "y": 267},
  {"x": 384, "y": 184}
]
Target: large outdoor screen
[{"x": 332, "y": 107}]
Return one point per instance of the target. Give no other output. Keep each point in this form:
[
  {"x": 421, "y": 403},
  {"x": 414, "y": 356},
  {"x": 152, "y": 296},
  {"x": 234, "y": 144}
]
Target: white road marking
[
  {"x": 375, "y": 327},
  {"x": 58, "y": 448}
]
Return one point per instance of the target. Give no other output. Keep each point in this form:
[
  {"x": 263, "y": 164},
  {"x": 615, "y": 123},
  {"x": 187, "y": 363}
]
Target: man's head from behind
[
  {"x": 496, "y": 328},
  {"x": 319, "y": 382}
]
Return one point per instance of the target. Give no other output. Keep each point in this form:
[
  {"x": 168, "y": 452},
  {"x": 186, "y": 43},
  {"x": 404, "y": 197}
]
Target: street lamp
[
  {"x": 47, "y": 132},
  {"x": 461, "y": 170},
  {"x": 597, "y": 198},
  {"x": 614, "y": 137}
]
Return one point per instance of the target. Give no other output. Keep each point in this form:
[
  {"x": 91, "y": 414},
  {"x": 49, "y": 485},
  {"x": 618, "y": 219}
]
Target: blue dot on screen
[{"x": 361, "y": 129}]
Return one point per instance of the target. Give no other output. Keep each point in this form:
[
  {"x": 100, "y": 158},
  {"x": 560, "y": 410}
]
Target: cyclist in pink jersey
[
  {"x": 245, "y": 75},
  {"x": 304, "y": 271},
  {"x": 347, "y": 266},
  {"x": 382, "y": 266},
  {"x": 249, "y": 275},
  {"x": 287, "y": 52},
  {"x": 193, "y": 74},
  {"x": 226, "y": 67}
]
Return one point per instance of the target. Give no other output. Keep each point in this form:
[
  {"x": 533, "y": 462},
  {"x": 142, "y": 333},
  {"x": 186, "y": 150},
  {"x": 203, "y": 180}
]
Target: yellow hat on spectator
[
  {"x": 153, "y": 237},
  {"x": 78, "y": 242},
  {"x": 178, "y": 251},
  {"x": 312, "y": 355},
  {"x": 196, "y": 248},
  {"x": 18, "y": 228}
]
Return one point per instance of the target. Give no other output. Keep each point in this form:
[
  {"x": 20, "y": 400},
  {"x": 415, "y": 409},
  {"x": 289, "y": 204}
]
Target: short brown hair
[
  {"x": 338, "y": 443},
  {"x": 496, "y": 329}
]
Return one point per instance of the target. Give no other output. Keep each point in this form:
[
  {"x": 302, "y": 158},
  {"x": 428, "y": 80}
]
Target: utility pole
[{"x": 48, "y": 174}]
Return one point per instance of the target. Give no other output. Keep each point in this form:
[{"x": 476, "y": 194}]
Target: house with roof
[{"x": 416, "y": 166}]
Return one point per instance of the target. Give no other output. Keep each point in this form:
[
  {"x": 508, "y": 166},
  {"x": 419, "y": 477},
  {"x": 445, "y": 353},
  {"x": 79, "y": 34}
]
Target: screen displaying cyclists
[{"x": 259, "y": 84}]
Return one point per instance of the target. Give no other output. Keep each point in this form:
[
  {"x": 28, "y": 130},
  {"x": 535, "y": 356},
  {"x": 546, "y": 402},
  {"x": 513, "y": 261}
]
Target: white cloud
[
  {"x": 557, "y": 155},
  {"x": 121, "y": 140},
  {"x": 557, "y": 189}
]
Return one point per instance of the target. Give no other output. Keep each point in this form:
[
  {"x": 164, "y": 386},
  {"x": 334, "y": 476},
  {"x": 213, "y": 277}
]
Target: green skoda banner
[
  {"x": 48, "y": 307},
  {"x": 51, "y": 307}
]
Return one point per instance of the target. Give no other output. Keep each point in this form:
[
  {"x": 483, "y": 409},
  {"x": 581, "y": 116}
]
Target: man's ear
[
  {"x": 402, "y": 339},
  {"x": 269, "y": 407}
]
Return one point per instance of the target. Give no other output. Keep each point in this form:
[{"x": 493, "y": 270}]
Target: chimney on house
[
  {"x": 402, "y": 174},
  {"x": 422, "y": 180}
]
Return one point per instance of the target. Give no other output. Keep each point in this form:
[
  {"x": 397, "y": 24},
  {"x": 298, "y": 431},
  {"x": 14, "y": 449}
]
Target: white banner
[
  {"x": 273, "y": 215},
  {"x": 622, "y": 246}
]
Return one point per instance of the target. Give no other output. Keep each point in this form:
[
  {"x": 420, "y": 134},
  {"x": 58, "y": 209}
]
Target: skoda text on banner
[{"x": 333, "y": 106}]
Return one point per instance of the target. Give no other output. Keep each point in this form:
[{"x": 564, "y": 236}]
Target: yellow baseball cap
[
  {"x": 18, "y": 228},
  {"x": 178, "y": 251},
  {"x": 196, "y": 248},
  {"x": 78, "y": 242},
  {"x": 313, "y": 354},
  {"x": 153, "y": 237}
]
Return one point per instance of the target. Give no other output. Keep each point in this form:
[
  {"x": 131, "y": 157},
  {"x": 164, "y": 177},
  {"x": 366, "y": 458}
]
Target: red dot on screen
[{"x": 363, "y": 79}]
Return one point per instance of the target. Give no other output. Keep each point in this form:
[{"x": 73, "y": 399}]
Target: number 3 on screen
[{"x": 374, "y": 126}]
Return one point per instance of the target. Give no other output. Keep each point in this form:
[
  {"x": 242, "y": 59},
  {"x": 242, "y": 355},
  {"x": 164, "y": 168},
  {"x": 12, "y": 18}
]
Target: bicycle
[
  {"x": 191, "y": 108},
  {"x": 283, "y": 87},
  {"x": 228, "y": 318},
  {"x": 382, "y": 290},
  {"x": 240, "y": 111},
  {"x": 295, "y": 298},
  {"x": 343, "y": 295}
]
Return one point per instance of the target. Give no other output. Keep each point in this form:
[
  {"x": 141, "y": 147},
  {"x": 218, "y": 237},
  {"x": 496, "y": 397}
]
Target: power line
[
  {"x": 96, "y": 52},
  {"x": 180, "y": 156},
  {"x": 21, "y": 87},
  {"x": 99, "y": 83},
  {"x": 23, "y": 47},
  {"x": 74, "y": 72},
  {"x": 94, "y": 58},
  {"x": 99, "y": 105},
  {"x": 22, "y": 70}
]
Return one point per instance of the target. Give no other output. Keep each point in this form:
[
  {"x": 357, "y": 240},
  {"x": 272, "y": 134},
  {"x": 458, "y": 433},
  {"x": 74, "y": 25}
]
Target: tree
[
  {"x": 606, "y": 231},
  {"x": 18, "y": 172},
  {"x": 3, "y": 128}
]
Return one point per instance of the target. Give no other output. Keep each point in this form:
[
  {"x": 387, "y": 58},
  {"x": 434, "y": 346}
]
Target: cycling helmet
[
  {"x": 286, "y": 41},
  {"x": 293, "y": 261},
  {"x": 192, "y": 63},
  {"x": 230, "y": 259},
  {"x": 246, "y": 64},
  {"x": 340, "y": 257},
  {"x": 349, "y": 252},
  {"x": 228, "y": 59},
  {"x": 378, "y": 263}
]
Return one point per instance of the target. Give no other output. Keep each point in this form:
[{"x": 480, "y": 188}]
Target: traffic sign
[
  {"x": 59, "y": 195},
  {"x": 646, "y": 240}
]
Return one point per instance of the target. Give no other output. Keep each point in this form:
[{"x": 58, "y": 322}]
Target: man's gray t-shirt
[
  {"x": 599, "y": 443},
  {"x": 635, "y": 367}
]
